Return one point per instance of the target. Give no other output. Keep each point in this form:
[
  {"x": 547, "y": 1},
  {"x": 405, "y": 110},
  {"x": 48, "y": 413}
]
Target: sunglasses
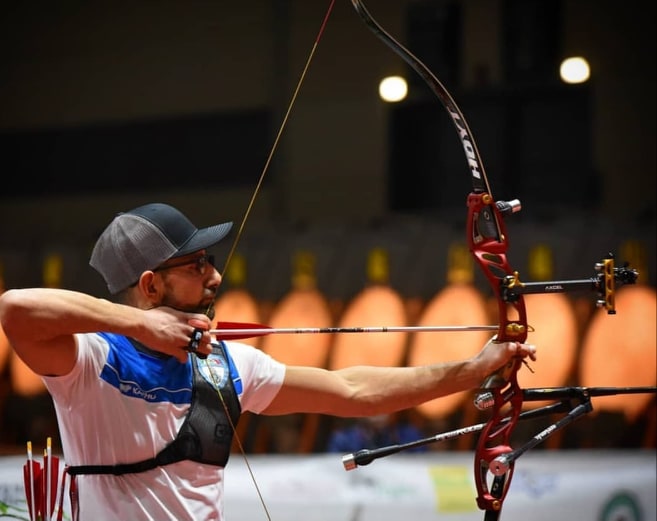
[{"x": 200, "y": 264}]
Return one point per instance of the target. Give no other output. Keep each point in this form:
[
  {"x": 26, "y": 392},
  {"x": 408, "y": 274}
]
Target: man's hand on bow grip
[{"x": 496, "y": 355}]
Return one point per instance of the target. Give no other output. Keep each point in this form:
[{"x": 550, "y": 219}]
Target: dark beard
[{"x": 204, "y": 310}]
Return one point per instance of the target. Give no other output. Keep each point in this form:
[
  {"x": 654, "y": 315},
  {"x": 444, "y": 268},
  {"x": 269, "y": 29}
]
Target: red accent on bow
[{"x": 487, "y": 239}]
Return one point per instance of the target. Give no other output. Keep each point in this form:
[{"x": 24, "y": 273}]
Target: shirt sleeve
[
  {"x": 261, "y": 376},
  {"x": 91, "y": 353}
]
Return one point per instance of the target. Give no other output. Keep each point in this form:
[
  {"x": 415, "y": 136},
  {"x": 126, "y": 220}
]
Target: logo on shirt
[
  {"x": 213, "y": 371},
  {"x": 134, "y": 390}
]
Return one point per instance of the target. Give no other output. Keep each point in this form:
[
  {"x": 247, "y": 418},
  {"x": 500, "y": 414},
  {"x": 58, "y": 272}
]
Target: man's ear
[{"x": 149, "y": 287}]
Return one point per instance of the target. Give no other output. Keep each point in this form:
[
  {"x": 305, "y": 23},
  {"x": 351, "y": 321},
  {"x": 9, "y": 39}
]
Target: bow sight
[{"x": 605, "y": 282}]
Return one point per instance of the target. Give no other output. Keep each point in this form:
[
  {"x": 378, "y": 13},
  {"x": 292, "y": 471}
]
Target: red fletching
[
  {"x": 237, "y": 330},
  {"x": 32, "y": 480}
]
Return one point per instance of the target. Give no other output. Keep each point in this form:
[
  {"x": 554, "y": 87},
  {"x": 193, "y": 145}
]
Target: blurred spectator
[{"x": 374, "y": 432}]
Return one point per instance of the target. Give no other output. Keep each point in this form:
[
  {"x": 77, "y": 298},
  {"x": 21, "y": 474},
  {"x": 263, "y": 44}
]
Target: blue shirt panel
[
  {"x": 145, "y": 376},
  {"x": 152, "y": 378}
]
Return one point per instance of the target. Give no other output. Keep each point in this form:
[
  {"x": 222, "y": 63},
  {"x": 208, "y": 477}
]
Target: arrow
[{"x": 236, "y": 330}]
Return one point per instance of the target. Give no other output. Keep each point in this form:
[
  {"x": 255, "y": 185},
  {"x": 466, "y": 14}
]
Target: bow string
[{"x": 233, "y": 248}]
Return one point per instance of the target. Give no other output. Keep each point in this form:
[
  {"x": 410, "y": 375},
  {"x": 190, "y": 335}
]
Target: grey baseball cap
[{"x": 141, "y": 239}]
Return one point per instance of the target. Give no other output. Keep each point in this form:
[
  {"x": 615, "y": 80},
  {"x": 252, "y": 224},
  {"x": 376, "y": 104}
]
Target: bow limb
[{"x": 487, "y": 239}]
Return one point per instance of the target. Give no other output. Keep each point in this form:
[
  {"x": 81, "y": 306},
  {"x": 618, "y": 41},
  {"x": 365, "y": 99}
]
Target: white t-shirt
[{"x": 120, "y": 405}]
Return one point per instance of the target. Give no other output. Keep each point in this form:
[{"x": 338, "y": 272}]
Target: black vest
[{"x": 206, "y": 434}]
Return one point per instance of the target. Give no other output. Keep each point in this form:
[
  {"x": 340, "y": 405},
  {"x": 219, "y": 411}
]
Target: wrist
[{"x": 479, "y": 369}]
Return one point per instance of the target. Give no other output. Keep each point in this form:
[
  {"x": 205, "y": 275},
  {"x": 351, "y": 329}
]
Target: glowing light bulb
[
  {"x": 393, "y": 89},
  {"x": 575, "y": 70}
]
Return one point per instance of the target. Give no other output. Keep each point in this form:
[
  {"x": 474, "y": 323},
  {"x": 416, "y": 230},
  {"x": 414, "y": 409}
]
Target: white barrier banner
[{"x": 573, "y": 485}]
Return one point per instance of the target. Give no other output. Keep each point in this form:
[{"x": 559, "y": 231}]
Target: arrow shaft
[{"x": 320, "y": 330}]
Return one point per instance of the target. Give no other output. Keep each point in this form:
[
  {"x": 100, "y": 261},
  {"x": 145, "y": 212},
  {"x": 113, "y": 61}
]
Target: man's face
[{"x": 190, "y": 283}]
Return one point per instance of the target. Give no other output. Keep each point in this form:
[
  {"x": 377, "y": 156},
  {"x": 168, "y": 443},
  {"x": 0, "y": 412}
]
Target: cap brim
[{"x": 205, "y": 238}]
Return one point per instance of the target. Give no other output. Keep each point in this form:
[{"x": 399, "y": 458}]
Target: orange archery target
[
  {"x": 24, "y": 381},
  {"x": 237, "y": 305},
  {"x": 455, "y": 305},
  {"x": 5, "y": 350},
  {"x": 620, "y": 351},
  {"x": 375, "y": 306},
  {"x": 300, "y": 308},
  {"x": 553, "y": 330}
]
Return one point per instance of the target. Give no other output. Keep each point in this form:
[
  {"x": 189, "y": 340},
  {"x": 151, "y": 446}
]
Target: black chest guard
[{"x": 207, "y": 432}]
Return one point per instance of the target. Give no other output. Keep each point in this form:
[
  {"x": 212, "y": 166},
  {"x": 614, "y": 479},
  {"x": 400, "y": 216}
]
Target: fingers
[
  {"x": 177, "y": 333},
  {"x": 516, "y": 348},
  {"x": 523, "y": 350},
  {"x": 200, "y": 339},
  {"x": 200, "y": 322},
  {"x": 196, "y": 344},
  {"x": 181, "y": 355},
  {"x": 532, "y": 352}
]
